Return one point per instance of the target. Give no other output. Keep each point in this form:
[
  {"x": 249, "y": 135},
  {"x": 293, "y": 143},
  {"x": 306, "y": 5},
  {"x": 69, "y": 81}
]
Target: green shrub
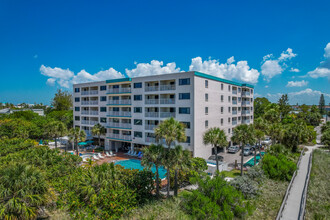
[
  {"x": 278, "y": 167},
  {"x": 248, "y": 187},
  {"x": 256, "y": 174}
]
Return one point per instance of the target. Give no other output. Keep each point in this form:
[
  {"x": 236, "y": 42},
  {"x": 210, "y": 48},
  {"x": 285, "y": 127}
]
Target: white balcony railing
[
  {"x": 245, "y": 112},
  {"x": 120, "y": 102},
  {"x": 119, "y": 90},
  {"x": 93, "y": 112},
  {"x": 120, "y": 113},
  {"x": 246, "y": 93},
  {"x": 234, "y": 122},
  {"x": 93, "y": 122},
  {"x": 234, "y": 112},
  {"x": 152, "y": 101},
  {"x": 246, "y": 103},
  {"x": 167, "y": 101},
  {"x": 85, "y": 102},
  {"x": 167, "y": 114},
  {"x": 151, "y": 88},
  {"x": 234, "y": 102},
  {"x": 150, "y": 140},
  {"x": 84, "y": 92},
  {"x": 84, "y": 122},
  {"x": 152, "y": 114},
  {"x": 93, "y": 92},
  {"x": 85, "y": 112},
  {"x": 150, "y": 127},
  {"x": 120, "y": 136},
  {"x": 246, "y": 121},
  {"x": 167, "y": 87},
  {"x": 119, "y": 125},
  {"x": 234, "y": 92}
]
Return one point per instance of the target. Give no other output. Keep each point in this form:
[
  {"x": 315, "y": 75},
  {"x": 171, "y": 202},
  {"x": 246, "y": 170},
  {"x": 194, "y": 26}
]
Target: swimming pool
[
  {"x": 250, "y": 163},
  {"x": 136, "y": 164}
]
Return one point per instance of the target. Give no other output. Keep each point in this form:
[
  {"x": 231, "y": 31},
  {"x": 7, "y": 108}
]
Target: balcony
[
  {"x": 245, "y": 112},
  {"x": 84, "y": 92},
  {"x": 152, "y": 114},
  {"x": 85, "y": 112},
  {"x": 120, "y": 137},
  {"x": 120, "y": 102},
  {"x": 152, "y": 101},
  {"x": 246, "y": 103},
  {"x": 234, "y": 92},
  {"x": 84, "y": 122},
  {"x": 150, "y": 127},
  {"x": 93, "y": 92},
  {"x": 234, "y": 122},
  {"x": 151, "y": 88},
  {"x": 94, "y": 113},
  {"x": 234, "y": 102},
  {"x": 119, "y": 90},
  {"x": 167, "y": 114},
  {"x": 234, "y": 112},
  {"x": 167, "y": 101},
  {"x": 93, "y": 122},
  {"x": 120, "y": 113},
  {"x": 245, "y": 93},
  {"x": 85, "y": 102},
  {"x": 119, "y": 125},
  {"x": 167, "y": 87},
  {"x": 246, "y": 121},
  {"x": 150, "y": 140}
]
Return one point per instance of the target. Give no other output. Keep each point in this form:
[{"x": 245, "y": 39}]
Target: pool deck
[{"x": 119, "y": 156}]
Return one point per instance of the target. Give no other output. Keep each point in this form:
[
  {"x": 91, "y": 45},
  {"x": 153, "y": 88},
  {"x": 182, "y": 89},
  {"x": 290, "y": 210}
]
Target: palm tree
[
  {"x": 99, "y": 130},
  {"x": 56, "y": 129},
  {"x": 171, "y": 130},
  {"x": 76, "y": 136},
  {"x": 276, "y": 132},
  {"x": 243, "y": 134},
  {"x": 217, "y": 138},
  {"x": 152, "y": 156},
  {"x": 259, "y": 134},
  {"x": 180, "y": 161}
]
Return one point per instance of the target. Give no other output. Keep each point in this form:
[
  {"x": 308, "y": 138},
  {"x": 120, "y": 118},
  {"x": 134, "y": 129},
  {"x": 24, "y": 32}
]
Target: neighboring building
[
  {"x": 9, "y": 111},
  {"x": 130, "y": 108}
]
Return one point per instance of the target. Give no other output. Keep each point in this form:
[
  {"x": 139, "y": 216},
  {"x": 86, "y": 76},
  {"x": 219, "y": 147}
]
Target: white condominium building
[{"x": 130, "y": 108}]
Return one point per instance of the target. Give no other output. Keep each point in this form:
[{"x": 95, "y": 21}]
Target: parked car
[
  {"x": 266, "y": 141},
  {"x": 212, "y": 157},
  {"x": 233, "y": 149},
  {"x": 247, "y": 151}
]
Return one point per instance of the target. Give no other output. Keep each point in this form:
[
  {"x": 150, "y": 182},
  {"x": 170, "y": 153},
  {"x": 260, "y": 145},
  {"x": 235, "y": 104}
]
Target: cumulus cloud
[
  {"x": 56, "y": 72},
  {"x": 294, "y": 70},
  {"x": 51, "y": 81},
  {"x": 228, "y": 70},
  {"x": 271, "y": 67},
  {"x": 297, "y": 83},
  {"x": 155, "y": 67},
  {"x": 323, "y": 70}
]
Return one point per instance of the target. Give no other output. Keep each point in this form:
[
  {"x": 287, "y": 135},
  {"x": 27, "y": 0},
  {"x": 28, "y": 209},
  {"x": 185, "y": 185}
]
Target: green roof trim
[
  {"x": 222, "y": 80},
  {"x": 118, "y": 80}
]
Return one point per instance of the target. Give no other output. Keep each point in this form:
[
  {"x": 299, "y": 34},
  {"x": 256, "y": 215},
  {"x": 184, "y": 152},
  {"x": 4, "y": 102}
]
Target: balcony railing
[
  {"x": 246, "y": 121},
  {"x": 119, "y": 125},
  {"x": 167, "y": 114},
  {"x": 93, "y": 122},
  {"x": 152, "y": 101},
  {"x": 167, "y": 87},
  {"x": 167, "y": 101},
  {"x": 150, "y": 127},
  {"x": 246, "y": 103},
  {"x": 150, "y": 140},
  {"x": 245, "y": 112},
  {"x": 151, "y": 88},
  {"x": 93, "y": 112},
  {"x": 85, "y": 112},
  {"x": 120, "y": 136},
  {"x": 234, "y": 122},
  {"x": 93, "y": 92},
  {"x": 152, "y": 114},
  {"x": 88, "y": 132},
  {"x": 84, "y": 92},
  {"x": 85, "y": 102},
  {"x": 119, "y": 90},
  {"x": 234, "y": 102},
  {"x": 234, "y": 112},
  {"x": 84, "y": 122},
  {"x": 120, "y": 102},
  {"x": 120, "y": 113},
  {"x": 234, "y": 92},
  {"x": 246, "y": 93}
]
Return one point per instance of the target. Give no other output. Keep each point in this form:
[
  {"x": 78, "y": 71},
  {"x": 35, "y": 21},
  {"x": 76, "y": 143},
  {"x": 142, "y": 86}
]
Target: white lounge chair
[
  {"x": 100, "y": 155},
  {"x": 112, "y": 154},
  {"x": 107, "y": 154},
  {"x": 95, "y": 157},
  {"x": 85, "y": 160},
  {"x": 135, "y": 154},
  {"x": 132, "y": 153},
  {"x": 128, "y": 153}
]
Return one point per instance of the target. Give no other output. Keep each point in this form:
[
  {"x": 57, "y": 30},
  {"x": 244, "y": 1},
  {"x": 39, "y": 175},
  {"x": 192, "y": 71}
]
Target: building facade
[{"x": 130, "y": 108}]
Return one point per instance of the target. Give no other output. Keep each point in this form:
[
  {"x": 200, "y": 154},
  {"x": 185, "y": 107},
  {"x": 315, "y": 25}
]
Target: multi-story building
[{"x": 130, "y": 108}]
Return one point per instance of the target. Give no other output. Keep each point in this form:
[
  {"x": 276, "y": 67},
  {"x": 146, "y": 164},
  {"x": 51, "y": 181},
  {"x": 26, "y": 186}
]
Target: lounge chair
[
  {"x": 132, "y": 153},
  {"x": 135, "y": 154},
  {"x": 100, "y": 156},
  {"x": 139, "y": 154},
  {"x": 112, "y": 154},
  {"x": 85, "y": 160},
  {"x": 128, "y": 153},
  {"x": 107, "y": 154},
  {"x": 95, "y": 157}
]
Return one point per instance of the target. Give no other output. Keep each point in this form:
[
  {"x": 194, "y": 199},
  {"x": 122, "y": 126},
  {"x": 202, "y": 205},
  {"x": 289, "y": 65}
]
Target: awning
[{"x": 82, "y": 143}]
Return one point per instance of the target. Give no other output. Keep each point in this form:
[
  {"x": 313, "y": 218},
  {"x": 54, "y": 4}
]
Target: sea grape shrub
[
  {"x": 278, "y": 167},
  {"x": 247, "y": 186}
]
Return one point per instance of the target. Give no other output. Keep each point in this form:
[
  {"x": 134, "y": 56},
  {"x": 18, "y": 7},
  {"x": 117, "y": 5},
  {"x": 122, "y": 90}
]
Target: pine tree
[{"x": 322, "y": 105}]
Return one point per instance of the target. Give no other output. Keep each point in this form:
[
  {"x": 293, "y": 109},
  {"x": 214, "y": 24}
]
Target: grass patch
[
  {"x": 269, "y": 201},
  {"x": 233, "y": 173},
  {"x": 161, "y": 209},
  {"x": 318, "y": 195}
]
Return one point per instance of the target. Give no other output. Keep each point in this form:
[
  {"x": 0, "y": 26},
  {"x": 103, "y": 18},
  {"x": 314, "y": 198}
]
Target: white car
[{"x": 266, "y": 141}]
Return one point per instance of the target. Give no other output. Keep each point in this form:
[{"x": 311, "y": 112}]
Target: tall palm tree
[
  {"x": 243, "y": 134},
  {"x": 77, "y": 135},
  {"x": 217, "y": 138},
  {"x": 180, "y": 161},
  {"x": 152, "y": 156},
  {"x": 276, "y": 132},
  {"x": 171, "y": 130},
  {"x": 56, "y": 129},
  {"x": 259, "y": 134},
  {"x": 99, "y": 130}
]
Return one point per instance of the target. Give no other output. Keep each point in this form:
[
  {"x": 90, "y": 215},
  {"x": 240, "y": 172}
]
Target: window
[
  {"x": 184, "y": 95},
  {"x": 184, "y": 81},
  {"x": 221, "y": 98},
  {"x": 77, "y": 118},
  {"x": 138, "y": 85},
  {"x": 239, "y": 118},
  {"x": 102, "y": 88},
  {"x": 206, "y": 124},
  {"x": 229, "y": 109},
  {"x": 221, "y": 110},
  {"x": 76, "y": 89},
  {"x": 228, "y": 130},
  {"x": 103, "y": 98},
  {"x": 221, "y": 86},
  {"x": 229, "y": 98},
  {"x": 188, "y": 140},
  {"x": 138, "y": 134},
  {"x": 221, "y": 121},
  {"x": 103, "y": 120},
  {"x": 137, "y": 122},
  {"x": 239, "y": 90},
  {"x": 251, "y": 91},
  {"x": 184, "y": 110},
  {"x": 239, "y": 99},
  {"x": 206, "y": 84},
  {"x": 187, "y": 124},
  {"x": 103, "y": 109},
  {"x": 77, "y": 109},
  {"x": 206, "y": 97},
  {"x": 77, "y": 99},
  {"x": 137, "y": 109},
  {"x": 137, "y": 97},
  {"x": 229, "y": 88},
  {"x": 228, "y": 120},
  {"x": 206, "y": 110}
]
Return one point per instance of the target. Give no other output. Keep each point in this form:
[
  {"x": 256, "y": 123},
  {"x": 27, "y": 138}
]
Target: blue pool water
[
  {"x": 250, "y": 163},
  {"x": 136, "y": 164}
]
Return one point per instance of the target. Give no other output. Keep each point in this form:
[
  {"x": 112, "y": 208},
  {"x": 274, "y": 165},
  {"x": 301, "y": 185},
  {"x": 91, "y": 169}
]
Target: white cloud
[
  {"x": 327, "y": 51},
  {"x": 324, "y": 69},
  {"x": 297, "y": 83},
  {"x": 294, "y": 70},
  {"x": 271, "y": 67},
  {"x": 228, "y": 70},
  {"x": 51, "y": 81},
  {"x": 155, "y": 67},
  {"x": 84, "y": 76},
  {"x": 56, "y": 72}
]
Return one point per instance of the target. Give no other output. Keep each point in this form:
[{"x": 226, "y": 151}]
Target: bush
[
  {"x": 248, "y": 187},
  {"x": 278, "y": 167},
  {"x": 278, "y": 149},
  {"x": 214, "y": 199},
  {"x": 256, "y": 174}
]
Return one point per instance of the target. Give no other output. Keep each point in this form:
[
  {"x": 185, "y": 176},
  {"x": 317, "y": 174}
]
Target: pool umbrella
[
  {"x": 82, "y": 143},
  {"x": 40, "y": 142},
  {"x": 89, "y": 142}
]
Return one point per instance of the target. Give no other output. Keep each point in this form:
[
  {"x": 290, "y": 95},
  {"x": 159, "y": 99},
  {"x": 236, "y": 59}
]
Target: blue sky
[{"x": 47, "y": 45}]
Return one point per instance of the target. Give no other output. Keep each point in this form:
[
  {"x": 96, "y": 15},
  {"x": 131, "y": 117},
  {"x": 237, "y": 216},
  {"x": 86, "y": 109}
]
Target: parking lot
[{"x": 230, "y": 158}]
